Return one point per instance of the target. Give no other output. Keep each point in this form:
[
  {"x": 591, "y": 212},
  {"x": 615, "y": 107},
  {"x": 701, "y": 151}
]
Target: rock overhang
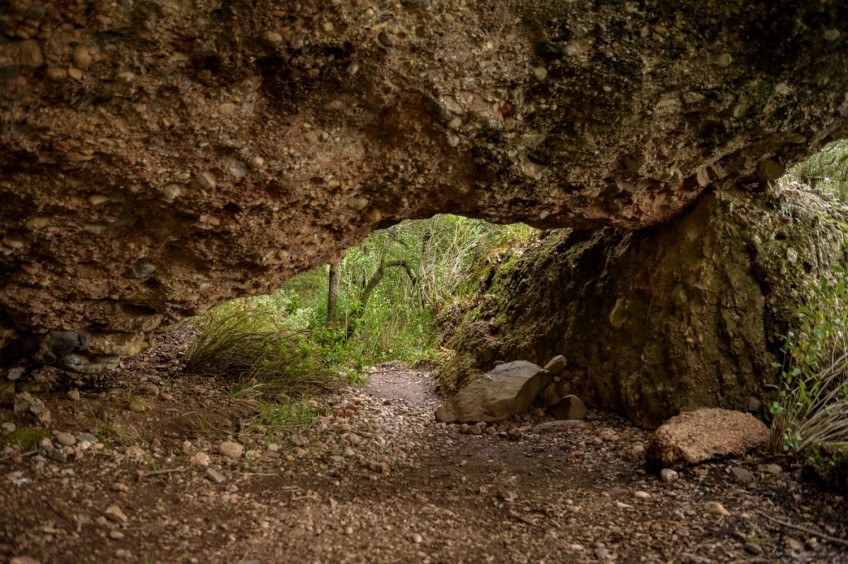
[{"x": 160, "y": 158}]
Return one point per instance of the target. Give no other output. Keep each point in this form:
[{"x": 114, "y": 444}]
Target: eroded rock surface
[
  {"x": 158, "y": 158},
  {"x": 705, "y": 434}
]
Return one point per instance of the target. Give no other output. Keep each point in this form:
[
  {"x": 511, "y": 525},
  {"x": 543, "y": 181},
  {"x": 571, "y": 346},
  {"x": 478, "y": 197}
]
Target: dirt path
[{"x": 377, "y": 480}]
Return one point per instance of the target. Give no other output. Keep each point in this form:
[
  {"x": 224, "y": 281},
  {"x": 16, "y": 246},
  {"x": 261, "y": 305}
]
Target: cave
[{"x": 160, "y": 158}]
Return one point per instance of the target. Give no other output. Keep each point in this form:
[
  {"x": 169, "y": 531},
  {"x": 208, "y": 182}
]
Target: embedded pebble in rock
[
  {"x": 74, "y": 395},
  {"x": 116, "y": 535},
  {"x": 416, "y": 538},
  {"x": 668, "y": 475},
  {"x": 230, "y": 449},
  {"x": 8, "y": 427},
  {"x": 82, "y": 57},
  {"x": 641, "y": 495}
]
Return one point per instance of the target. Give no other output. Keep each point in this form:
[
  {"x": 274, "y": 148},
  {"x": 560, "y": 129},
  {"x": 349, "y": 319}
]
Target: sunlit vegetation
[{"x": 281, "y": 349}]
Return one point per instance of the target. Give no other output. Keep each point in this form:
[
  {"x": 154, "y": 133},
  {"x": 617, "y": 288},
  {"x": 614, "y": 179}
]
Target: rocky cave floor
[{"x": 376, "y": 479}]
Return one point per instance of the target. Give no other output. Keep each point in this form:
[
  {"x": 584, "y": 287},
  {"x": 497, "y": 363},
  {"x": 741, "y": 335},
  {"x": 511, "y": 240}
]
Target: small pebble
[
  {"x": 668, "y": 475},
  {"x": 230, "y": 449},
  {"x": 215, "y": 476},
  {"x": 116, "y": 514},
  {"x": 64, "y": 439},
  {"x": 715, "y": 508}
]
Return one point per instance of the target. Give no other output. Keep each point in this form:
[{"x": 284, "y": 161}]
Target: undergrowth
[
  {"x": 261, "y": 350},
  {"x": 811, "y": 407}
]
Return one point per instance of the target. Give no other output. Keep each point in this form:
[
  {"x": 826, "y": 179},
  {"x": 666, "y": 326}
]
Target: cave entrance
[{"x": 386, "y": 300}]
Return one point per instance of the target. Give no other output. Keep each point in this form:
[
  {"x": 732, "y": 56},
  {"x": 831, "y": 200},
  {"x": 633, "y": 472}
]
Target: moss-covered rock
[
  {"x": 827, "y": 465},
  {"x": 689, "y": 314}
]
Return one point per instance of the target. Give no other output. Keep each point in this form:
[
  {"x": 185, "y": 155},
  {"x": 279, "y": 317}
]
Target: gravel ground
[{"x": 173, "y": 474}]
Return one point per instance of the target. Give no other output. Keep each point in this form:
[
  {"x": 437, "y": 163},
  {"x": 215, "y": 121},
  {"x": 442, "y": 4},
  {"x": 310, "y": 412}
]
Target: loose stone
[
  {"x": 116, "y": 514},
  {"x": 201, "y": 459},
  {"x": 64, "y": 439},
  {"x": 715, "y": 508},
  {"x": 230, "y": 449},
  {"x": 668, "y": 475},
  {"x": 215, "y": 476},
  {"x": 82, "y": 58}
]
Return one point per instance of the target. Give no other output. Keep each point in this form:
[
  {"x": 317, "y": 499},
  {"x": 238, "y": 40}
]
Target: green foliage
[
  {"x": 261, "y": 344},
  {"x": 825, "y": 172},
  {"x": 827, "y": 464},
  {"x": 812, "y": 403},
  {"x": 278, "y": 350},
  {"x": 25, "y": 438},
  {"x": 423, "y": 265}
]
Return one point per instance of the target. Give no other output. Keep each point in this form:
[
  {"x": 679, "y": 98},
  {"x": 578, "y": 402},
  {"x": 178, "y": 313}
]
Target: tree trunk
[{"x": 333, "y": 294}]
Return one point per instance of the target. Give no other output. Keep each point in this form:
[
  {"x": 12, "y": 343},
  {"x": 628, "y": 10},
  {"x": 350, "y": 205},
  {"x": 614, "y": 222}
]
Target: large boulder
[
  {"x": 508, "y": 390},
  {"x": 160, "y": 157},
  {"x": 705, "y": 434},
  {"x": 686, "y": 315}
]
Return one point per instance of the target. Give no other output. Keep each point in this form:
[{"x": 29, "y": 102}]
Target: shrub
[{"x": 812, "y": 403}]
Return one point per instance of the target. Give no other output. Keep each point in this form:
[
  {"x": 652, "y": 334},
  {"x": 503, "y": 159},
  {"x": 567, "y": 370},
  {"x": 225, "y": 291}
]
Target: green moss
[
  {"x": 827, "y": 465},
  {"x": 25, "y": 438}
]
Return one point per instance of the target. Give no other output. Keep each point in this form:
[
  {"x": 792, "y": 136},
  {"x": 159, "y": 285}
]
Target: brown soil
[{"x": 407, "y": 489}]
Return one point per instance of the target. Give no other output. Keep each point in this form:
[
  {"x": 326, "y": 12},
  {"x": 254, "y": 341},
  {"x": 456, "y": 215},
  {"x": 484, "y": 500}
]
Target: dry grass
[
  {"x": 250, "y": 346},
  {"x": 815, "y": 413}
]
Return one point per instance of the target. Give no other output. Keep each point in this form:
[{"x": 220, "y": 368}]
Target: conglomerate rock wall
[{"x": 160, "y": 156}]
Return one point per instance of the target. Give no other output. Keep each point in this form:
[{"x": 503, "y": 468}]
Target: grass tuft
[
  {"x": 248, "y": 343},
  {"x": 814, "y": 411}
]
